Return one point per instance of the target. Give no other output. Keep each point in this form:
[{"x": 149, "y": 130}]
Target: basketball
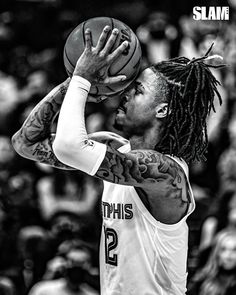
[{"x": 127, "y": 64}]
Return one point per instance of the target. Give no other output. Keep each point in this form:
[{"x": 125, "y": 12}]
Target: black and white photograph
[{"x": 117, "y": 147}]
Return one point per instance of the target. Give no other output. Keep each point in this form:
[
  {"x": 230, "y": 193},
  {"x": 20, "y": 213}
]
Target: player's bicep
[{"x": 137, "y": 168}]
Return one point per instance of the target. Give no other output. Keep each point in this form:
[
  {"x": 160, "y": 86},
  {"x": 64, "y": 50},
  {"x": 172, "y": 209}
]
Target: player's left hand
[
  {"x": 94, "y": 62},
  {"x": 96, "y": 98}
]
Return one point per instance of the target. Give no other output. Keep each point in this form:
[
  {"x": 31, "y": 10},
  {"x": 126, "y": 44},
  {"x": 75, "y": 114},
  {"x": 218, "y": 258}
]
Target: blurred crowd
[{"x": 50, "y": 219}]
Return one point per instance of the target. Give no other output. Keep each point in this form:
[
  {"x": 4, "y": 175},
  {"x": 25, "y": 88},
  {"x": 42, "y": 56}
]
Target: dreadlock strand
[
  {"x": 187, "y": 81},
  {"x": 217, "y": 66},
  {"x": 209, "y": 50},
  {"x": 181, "y": 59},
  {"x": 203, "y": 75},
  {"x": 185, "y": 146},
  {"x": 211, "y": 100},
  {"x": 196, "y": 92}
]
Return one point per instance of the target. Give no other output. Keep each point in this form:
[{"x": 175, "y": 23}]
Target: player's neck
[{"x": 147, "y": 140}]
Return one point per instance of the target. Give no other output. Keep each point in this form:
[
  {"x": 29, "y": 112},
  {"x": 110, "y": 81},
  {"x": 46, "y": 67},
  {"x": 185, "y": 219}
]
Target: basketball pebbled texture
[{"x": 127, "y": 64}]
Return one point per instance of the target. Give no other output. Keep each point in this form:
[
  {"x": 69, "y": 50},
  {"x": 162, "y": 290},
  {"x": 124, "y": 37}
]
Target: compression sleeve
[{"x": 72, "y": 145}]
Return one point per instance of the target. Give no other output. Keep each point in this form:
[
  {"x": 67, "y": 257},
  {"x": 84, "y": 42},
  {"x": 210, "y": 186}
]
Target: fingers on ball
[
  {"x": 88, "y": 38},
  {"x": 119, "y": 50},
  {"x": 111, "y": 41},
  {"x": 102, "y": 38}
]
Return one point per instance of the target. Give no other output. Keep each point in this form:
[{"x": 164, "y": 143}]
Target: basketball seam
[
  {"x": 112, "y": 23},
  {"x": 113, "y": 90},
  {"x": 112, "y": 27},
  {"x": 68, "y": 61},
  {"x": 136, "y": 42},
  {"x": 111, "y": 50}
]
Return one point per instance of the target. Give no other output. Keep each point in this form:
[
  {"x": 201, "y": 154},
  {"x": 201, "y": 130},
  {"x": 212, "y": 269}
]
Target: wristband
[{"x": 81, "y": 82}]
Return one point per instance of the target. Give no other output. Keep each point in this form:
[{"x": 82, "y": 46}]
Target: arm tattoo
[
  {"x": 134, "y": 167},
  {"x": 38, "y": 125},
  {"x": 44, "y": 154},
  {"x": 34, "y": 139},
  {"x": 142, "y": 168}
]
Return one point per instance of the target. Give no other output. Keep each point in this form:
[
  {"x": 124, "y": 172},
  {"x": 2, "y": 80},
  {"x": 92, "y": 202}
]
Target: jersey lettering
[{"x": 117, "y": 210}]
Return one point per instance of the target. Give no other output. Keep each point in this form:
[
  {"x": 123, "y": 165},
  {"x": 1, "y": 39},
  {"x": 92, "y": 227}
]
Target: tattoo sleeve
[
  {"x": 141, "y": 168},
  {"x": 159, "y": 181},
  {"x": 34, "y": 139}
]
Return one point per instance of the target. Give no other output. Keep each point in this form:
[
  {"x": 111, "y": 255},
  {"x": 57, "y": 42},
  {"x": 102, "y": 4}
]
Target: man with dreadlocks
[{"x": 147, "y": 196}]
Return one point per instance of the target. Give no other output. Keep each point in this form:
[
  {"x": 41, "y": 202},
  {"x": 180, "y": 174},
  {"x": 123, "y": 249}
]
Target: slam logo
[{"x": 211, "y": 13}]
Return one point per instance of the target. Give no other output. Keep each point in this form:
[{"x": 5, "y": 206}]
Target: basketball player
[{"x": 147, "y": 196}]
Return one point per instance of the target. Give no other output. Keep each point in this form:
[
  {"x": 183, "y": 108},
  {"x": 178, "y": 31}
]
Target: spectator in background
[
  {"x": 34, "y": 252},
  {"x": 7, "y": 232},
  {"x": 68, "y": 191},
  {"x": 16, "y": 99},
  {"x": 64, "y": 225},
  {"x": 230, "y": 78},
  {"x": 71, "y": 196},
  {"x": 159, "y": 38},
  {"x": 77, "y": 267},
  {"x": 6, "y": 286},
  {"x": 222, "y": 215},
  {"x": 227, "y": 160},
  {"x": 9, "y": 98},
  {"x": 218, "y": 276},
  {"x": 7, "y": 154},
  {"x": 194, "y": 32}
]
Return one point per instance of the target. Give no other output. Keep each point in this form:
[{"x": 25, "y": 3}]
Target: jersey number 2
[{"x": 111, "y": 242}]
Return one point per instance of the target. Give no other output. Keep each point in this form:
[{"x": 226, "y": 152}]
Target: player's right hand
[{"x": 94, "y": 62}]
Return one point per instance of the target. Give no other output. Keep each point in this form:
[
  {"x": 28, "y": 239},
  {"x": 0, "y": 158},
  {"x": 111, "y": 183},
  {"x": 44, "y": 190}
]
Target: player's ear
[{"x": 161, "y": 110}]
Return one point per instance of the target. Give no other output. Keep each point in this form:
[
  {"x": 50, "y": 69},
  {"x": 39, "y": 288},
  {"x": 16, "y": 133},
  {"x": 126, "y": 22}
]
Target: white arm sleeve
[{"x": 72, "y": 145}]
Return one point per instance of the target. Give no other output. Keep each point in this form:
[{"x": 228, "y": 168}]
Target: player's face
[
  {"x": 227, "y": 254},
  {"x": 136, "y": 112}
]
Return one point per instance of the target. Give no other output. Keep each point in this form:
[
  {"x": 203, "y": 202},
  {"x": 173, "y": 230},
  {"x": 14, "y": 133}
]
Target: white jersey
[{"x": 138, "y": 254}]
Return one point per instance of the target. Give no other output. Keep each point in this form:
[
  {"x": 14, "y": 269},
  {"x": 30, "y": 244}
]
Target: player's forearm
[
  {"x": 72, "y": 145},
  {"x": 71, "y": 121},
  {"x": 37, "y": 126}
]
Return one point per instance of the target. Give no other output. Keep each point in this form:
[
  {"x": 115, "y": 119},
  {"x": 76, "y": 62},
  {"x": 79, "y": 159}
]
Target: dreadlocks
[{"x": 193, "y": 88}]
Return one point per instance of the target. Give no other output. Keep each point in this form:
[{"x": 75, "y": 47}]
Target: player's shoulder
[
  {"x": 153, "y": 154},
  {"x": 110, "y": 138},
  {"x": 164, "y": 161}
]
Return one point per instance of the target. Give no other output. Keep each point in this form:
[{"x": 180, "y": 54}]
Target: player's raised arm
[
  {"x": 34, "y": 139},
  {"x": 76, "y": 149}
]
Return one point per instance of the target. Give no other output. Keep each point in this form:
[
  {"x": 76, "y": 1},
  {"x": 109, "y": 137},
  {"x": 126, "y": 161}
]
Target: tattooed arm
[
  {"x": 34, "y": 139},
  {"x": 159, "y": 180},
  {"x": 140, "y": 168}
]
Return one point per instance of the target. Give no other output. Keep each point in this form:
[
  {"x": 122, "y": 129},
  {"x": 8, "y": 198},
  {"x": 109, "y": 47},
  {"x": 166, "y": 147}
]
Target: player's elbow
[
  {"x": 14, "y": 142},
  {"x": 19, "y": 144}
]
